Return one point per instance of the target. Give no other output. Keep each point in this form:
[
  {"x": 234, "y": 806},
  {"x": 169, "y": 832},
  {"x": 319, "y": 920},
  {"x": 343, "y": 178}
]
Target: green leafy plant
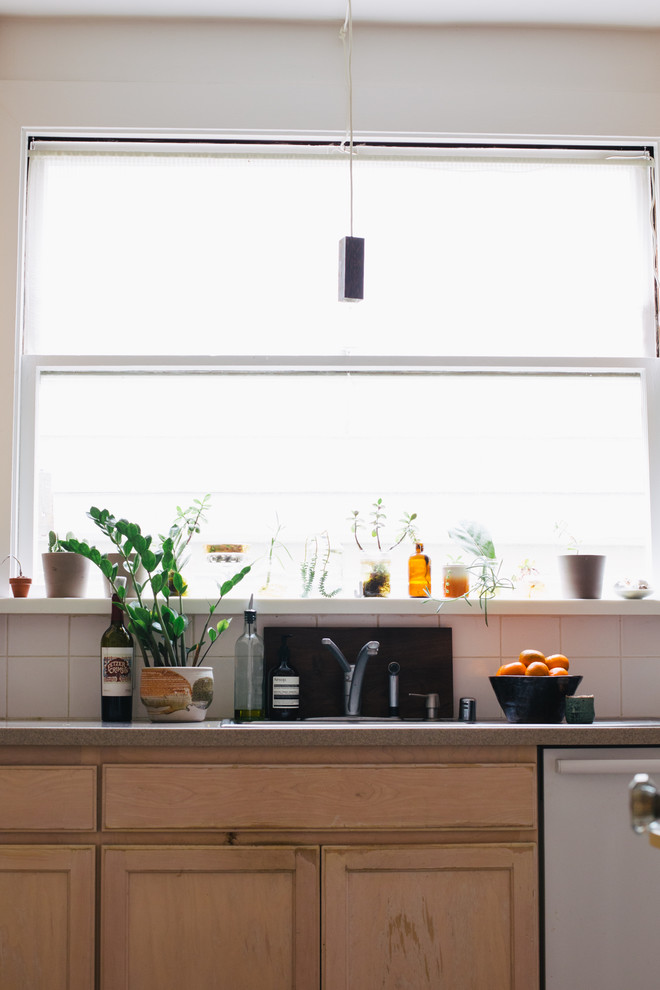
[
  {"x": 378, "y": 519},
  {"x": 274, "y": 548},
  {"x": 55, "y": 545},
  {"x": 158, "y": 626},
  {"x": 186, "y": 525},
  {"x": 563, "y": 535},
  {"x": 316, "y": 559},
  {"x": 11, "y": 556},
  {"x": 484, "y": 566}
]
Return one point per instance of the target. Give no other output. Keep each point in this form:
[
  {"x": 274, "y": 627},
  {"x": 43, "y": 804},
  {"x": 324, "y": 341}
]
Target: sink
[{"x": 341, "y": 720}]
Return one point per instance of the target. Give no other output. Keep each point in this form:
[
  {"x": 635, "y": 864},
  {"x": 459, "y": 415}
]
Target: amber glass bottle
[{"x": 419, "y": 573}]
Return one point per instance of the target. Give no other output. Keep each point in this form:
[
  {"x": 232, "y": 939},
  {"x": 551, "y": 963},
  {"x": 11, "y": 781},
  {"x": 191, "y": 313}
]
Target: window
[{"x": 182, "y": 335}]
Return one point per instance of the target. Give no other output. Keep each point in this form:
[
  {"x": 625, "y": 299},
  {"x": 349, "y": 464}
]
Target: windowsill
[{"x": 352, "y": 606}]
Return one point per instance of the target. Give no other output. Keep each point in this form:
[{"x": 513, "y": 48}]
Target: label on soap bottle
[{"x": 286, "y": 691}]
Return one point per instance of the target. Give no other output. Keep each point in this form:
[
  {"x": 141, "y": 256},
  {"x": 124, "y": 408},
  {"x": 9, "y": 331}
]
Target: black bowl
[{"x": 534, "y": 699}]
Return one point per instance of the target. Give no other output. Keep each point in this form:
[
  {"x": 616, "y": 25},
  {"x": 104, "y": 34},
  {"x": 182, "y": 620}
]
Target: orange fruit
[
  {"x": 537, "y": 669},
  {"x": 558, "y": 660},
  {"x": 515, "y": 667},
  {"x": 531, "y": 656},
  {"x": 558, "y": 671}
]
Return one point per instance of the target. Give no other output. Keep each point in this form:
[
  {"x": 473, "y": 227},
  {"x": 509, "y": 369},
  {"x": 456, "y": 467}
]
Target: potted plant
[
  {"x": 174, "y": 685},
  {"x": 375, "y": 566},
  {"x": 65, "y": 572},
  {"x": 581, "y": 574},
  {"x": 20, "y": 585},
  {"x": 484, "y": 567}
]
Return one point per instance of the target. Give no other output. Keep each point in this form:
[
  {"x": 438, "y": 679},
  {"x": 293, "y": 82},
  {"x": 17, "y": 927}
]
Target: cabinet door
[
  {"x": 215, "y": 918},
  {"x": 47, "y": 897},
  {"x": 424, "y": 917}
]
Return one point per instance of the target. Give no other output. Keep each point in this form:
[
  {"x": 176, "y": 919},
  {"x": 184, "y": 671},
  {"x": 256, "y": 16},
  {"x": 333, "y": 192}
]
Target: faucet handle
[{"x": 432, "y": 704}]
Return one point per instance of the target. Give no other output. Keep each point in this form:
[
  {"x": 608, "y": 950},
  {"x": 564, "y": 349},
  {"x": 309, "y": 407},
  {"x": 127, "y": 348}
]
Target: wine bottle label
[
  {"x": 286, "y": 692},
  {"x": 116, "y": 671}
]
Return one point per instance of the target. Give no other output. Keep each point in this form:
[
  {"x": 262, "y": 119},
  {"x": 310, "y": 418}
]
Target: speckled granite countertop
[{"x": 624, "y": 732}]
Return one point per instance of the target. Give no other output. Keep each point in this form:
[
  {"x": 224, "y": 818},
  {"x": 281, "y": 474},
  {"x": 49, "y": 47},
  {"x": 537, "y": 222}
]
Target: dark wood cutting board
[{"x": 425, "y": 656}]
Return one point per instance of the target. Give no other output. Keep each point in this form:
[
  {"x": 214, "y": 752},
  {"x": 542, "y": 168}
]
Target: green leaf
[
  {"x": 232, "y": 582},
  {"x": 149, "y": 559},
  {"x": 158, "y": 581},
  {"x": 177, "y": 581}
]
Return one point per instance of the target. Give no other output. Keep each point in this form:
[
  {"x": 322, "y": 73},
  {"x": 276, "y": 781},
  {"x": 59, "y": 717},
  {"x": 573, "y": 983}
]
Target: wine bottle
[
  {"x": 116, "y": 669},
  {"x": 249, "y": 671},
  {"x": 284, "y": 687},
  {"x": 419, "y": 573}
]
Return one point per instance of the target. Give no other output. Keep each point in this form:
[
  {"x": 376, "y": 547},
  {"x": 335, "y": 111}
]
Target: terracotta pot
[
  {"x": 65, "y": 574},
  {"x": 582, "y": 574},
  {"x": 20, "y": 586},
  {"x": 176, "y": 694}
]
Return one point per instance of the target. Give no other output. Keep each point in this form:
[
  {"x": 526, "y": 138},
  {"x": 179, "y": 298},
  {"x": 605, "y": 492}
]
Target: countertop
[{"x": 623, "y": 732}]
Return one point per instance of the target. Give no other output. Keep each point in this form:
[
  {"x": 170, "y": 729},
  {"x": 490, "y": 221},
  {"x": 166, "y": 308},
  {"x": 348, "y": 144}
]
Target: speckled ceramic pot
[{"x": 176, "y": 694}]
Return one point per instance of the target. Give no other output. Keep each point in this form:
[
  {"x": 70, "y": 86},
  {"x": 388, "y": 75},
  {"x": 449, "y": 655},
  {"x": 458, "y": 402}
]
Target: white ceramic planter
[{"x": 65, "y": 574}]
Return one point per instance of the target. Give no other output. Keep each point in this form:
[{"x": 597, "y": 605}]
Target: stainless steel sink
[{"x": 341, "y": 720}]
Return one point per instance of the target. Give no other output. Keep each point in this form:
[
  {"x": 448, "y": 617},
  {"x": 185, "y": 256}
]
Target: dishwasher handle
[{"x": 644, "y": 803}]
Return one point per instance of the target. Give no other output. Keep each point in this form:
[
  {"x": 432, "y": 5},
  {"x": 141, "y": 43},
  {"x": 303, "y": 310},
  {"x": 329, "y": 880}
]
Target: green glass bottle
[
  {"x": 249, "y": 671},
  {"x": 116, "y": 669}
]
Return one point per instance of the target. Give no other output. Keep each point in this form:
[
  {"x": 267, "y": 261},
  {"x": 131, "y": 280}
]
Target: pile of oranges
[{"x": 533, "y": 663}]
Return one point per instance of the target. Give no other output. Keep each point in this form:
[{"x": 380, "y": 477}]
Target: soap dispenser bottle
[
  {"x": 284, "y": 687},
  {"x": 249, "y": 670}
]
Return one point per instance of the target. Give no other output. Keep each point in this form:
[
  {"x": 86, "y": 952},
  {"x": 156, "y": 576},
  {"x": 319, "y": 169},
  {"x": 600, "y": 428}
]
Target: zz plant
[{"x": 158, "y": 627}]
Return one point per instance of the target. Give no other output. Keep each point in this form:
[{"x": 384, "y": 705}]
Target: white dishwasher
[{"x": 602, "y": 881}]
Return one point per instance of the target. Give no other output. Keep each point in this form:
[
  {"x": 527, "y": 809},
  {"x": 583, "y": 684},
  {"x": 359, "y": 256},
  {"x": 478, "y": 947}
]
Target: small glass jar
[
  {"x": 455, "y": 580},
  {"x": 375, "y": 575}
]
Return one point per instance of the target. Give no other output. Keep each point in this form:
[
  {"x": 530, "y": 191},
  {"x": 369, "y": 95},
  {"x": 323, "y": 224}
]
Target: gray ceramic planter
[{"x": 582, "y": 574}]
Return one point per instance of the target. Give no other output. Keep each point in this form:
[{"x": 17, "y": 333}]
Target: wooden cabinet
[
  {"x": 460, "y": 916},
  {"x": 47, "y": 890},
  {"x": 329, "y": 868},
  {"x": 210, "y": 917},
  {"x": 47, "y": 898}
]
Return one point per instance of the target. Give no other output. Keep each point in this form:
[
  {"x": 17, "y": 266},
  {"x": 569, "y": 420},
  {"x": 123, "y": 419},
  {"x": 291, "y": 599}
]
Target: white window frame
[{"x": 29, "y": 367}]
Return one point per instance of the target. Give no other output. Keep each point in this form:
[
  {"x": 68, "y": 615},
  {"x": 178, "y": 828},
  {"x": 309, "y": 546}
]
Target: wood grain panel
[
  {"x": 210, "y": 917},
  {"x": 47, "y": 901},
  {"x": 420, "y": 918},
  {"x": 47, "y": 799},
  {"x": 357, "y": 797},
  {"x": 425, "y": 656}
]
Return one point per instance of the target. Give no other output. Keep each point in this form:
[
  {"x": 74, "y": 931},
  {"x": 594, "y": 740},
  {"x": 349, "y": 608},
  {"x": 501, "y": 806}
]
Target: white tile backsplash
[
  {"x": 601, "y": 676},
  {"x": 640, "y": 636},
  {"x": 49, "y": 663},
  {"x": 587, "y": 636},
  {"x": 85, "y": 634},
  {"x": 640, "y": 688},
  {"x": 471, "y": 637},
  {"x": 521, "y": 632},
  {"x": 38, "y": 635},
  {"x": 471, "y": 681},
  {"x": 85, "y": 687},
  {"x": 37, "y": 687}
]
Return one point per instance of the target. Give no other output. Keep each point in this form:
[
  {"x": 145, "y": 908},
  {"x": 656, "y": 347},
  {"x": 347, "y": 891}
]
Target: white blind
[{"x": 206, "y": 250}]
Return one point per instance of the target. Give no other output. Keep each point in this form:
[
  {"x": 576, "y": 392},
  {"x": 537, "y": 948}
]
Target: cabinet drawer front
[
  {"x": 48, "y": 799},
  {"x": 356, "y": 797}
]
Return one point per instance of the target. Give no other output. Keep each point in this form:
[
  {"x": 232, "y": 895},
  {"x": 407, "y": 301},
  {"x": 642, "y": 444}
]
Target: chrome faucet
[{"x": 353, "y": 673}]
